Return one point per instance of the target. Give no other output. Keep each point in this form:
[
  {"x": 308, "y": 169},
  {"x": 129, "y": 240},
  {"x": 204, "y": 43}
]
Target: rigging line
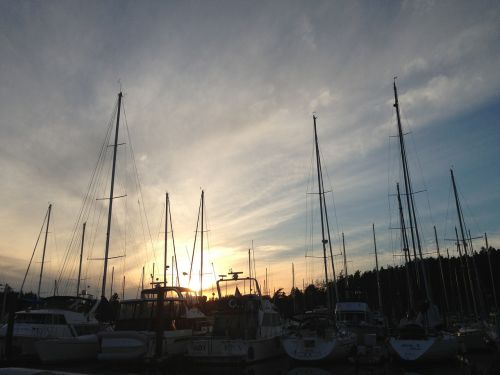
[
  {"x": 138, "y": 181},
  {"x": 36, "y": 244},
  {"x": 389, "y": 209},
  {"x": 76, "y": 225},
  {"x": 470, "y": 212}
]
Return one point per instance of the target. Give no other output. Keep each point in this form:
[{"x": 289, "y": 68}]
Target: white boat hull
[
  {"x": 133, "y": 345},
  {"x": 432, "y": 348},
  {"x": 67, "y": 349},
  {"x": 219, "y": 350},
  {"x": 313, "y": 348}
]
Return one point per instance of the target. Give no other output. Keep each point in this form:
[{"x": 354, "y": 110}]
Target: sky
[{"x": 219, "y": 96}]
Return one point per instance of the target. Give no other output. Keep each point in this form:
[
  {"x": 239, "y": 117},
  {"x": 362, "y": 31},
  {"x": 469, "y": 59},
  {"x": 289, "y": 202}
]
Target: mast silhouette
[
  {"x": 441, "y": 271},
  {"x": 110, "y": 209},
  {"x": 491, "y": 272},
  {"x": 464, "y": 243},
  {"x": 406, "y": 250},
  {"x": 201, "y": 241},
  {"x": 324, "y": 217},
  {"x": 379, "y": 292},
  {"x": 80, "y": 263},
  {"x": 43, "y": 253},
  {"x": 345, "y": 262},
  {"x": 415, "y": 236},
  {"x": 166, "y": 237}
]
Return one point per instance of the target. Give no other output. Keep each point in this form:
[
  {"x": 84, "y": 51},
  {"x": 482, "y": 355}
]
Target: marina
[{"x": 234, "y": 187}]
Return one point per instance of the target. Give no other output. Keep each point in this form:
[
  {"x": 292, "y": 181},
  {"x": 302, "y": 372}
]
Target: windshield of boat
[
  {"x": 238, "y": 287},
  {"x": 235, "y": 326},
  {"x": 354, "y": 317},
  {"x": 34, "y": 318},
  {"x": 141, "y": 314},
  {"x": 77, "y": 304}
]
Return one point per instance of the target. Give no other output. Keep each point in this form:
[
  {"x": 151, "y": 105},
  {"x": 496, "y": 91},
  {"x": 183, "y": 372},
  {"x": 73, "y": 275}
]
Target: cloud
[{"x": 228, "y": 109}]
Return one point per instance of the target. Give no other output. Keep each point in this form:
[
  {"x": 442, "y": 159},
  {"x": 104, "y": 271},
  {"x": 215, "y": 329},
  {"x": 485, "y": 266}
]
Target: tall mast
[
  {"x": 142, "y": 279},
  {"x": 249, "y": 263},
  {"x": 409, "y": 199},
  {"x": 112, "y": 281},
  {"x": 43, "y": 253},
  {"x": 80, "y": 264},
  {"x": 110, "y": 210},
  {"x": 491, "y": 272},
  {"x": 464, "y": 242},
  {"x": 476, "y": 274},
  {"x": 380, "y": 306},
  {"x": 201, "y": 242},
  {"x": 320, "y": 192},
  {"x": 166, "y": 236},
  {"x": 441, "y": 270},
  {"x": 462, "y": 266},
  {"x": 345, "y": 262},
  {"x": 406, "y": 250},
  {"x": 123, "y": 288}
]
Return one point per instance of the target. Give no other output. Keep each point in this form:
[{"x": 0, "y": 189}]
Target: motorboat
[
  {"x": 57, "y": 317},
  {"x": 247, "y": 327},
  {"x": 158, "y": 325}
]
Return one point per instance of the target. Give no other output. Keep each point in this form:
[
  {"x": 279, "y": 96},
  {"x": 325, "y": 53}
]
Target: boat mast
[
  {"x": 112, "y": 281},
  {"x": 321, "y": 201},
  {"x": 110, "y": 210},
  {"x": 406, "y": 250},
  {"x": 466, "y": 289},
  {"x": 476, "y": 274},
  {"x": 409, "y": 199},
  {"x": 345, "y": 262},
  {"x": 80, "y": 264},
  {"x": 43, "y": 253},
  {"x": 491, "y": 272},
  {"x": 201, "y": 242},
  {"x": 142, "y": 279},
  {"x": 194, "y": 244},
  {"x": 166, "y": 236},
  {"x": 441, "y": 269},
  {"x": 380, "y": 306},
  {"x": 173, "y": 244},
  {"x": 464, "y": 242}
]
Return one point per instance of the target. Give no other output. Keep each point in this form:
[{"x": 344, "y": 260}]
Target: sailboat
[
  {"x": 474, "y": 335},
  {"x": 159, "y": 324},
  {"x": 55, "y": 317},
  {"x": 86, "y": 346},
  {"x": 419, "y": 338},
  {"x": 318, "y": 336}
]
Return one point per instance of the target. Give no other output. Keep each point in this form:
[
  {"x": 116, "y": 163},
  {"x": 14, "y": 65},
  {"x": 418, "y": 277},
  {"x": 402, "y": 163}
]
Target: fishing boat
[
  {"x": 318, "y": 336},
  {"x": 158, "y": 325},
  {"x": 422, "y": 338},
  {"x": 247, "y": 327}
]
